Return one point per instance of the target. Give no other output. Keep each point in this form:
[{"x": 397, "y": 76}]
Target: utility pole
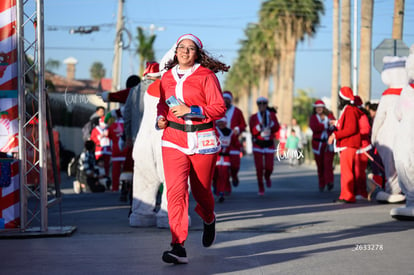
[{"x": 116, "y": 66}]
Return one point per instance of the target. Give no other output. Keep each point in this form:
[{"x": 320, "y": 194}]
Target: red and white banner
[
  {"x": 8, "y": 77},
  {"x": 9, "y": 194}
]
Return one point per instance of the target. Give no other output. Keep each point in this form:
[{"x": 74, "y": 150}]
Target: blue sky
[{"x": 220, "y": 24}]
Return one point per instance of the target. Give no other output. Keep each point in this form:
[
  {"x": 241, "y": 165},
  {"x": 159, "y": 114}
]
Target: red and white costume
[
  {"x": 362, "y": 153},
  {"x": 323, "y": 153},
  {"x": 348, "y": 141},
  {"x": 190, "y": 154},
  {"x": 99, "y": 136},
  {"x": 263, "y": 128},
  {"x": 404, "y": 145},
  {"x": 229, "y": 142},
  {"x": 148, "y": 167},
  {"x": 386, "y": 123},
  {"x": 115, "y": 132},
  {"x": 236, "y": 122}
]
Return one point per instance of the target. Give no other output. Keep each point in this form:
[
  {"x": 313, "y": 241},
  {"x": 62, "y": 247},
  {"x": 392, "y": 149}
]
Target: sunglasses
[{"x": 261, "y": 103}]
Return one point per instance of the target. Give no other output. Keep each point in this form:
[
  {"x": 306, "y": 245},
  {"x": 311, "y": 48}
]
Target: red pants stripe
[
  {"x": 116, "y": 173},
  {"x": 348, "y": 179},
  {"x": 264, "y": 166},
  {"x": 361, "y": 163},
  {"x": 178, "y": 167},
  {"x": 234, "y": 165},
  {"x": 324, "y": 164}
]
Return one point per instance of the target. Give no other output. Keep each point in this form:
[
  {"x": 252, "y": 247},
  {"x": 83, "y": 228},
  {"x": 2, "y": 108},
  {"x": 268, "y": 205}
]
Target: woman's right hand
[{"x": 162, "y": 123}]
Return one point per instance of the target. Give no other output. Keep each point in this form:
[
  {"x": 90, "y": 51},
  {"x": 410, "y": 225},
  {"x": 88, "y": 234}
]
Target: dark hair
[
  {"x": 132, "y": 81},
  {"x": 100, "y": 107},
  {"x": 373, "y": 106},
  {"x": 205, "y": 60},
  {"x": 89, "y": 145},
  {"x": 342, "y": 103}
]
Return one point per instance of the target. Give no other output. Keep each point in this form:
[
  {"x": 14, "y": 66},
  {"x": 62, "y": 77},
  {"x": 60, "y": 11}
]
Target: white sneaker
[
  {"x": 76, "y": 187},
  {"x": 389, "y": 198},
  {"x": 402, "y": 213}
]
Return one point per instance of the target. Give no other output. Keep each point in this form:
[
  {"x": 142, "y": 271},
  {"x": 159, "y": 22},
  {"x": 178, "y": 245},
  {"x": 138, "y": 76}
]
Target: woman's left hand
[{"x": 180, "y": 110}]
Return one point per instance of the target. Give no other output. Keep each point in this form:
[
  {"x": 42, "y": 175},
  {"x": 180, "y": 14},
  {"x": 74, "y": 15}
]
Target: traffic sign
[{"x": 389, "y": 47}]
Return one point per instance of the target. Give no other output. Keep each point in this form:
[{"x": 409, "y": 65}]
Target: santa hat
[
  {"x": 262, "y": 99},
  {"x": 192, "y": 37},
  {"x": 358, "y": 101},
  {"x": 228, "y": 94},
  {"x": 347, "y": 94},
  {"x": 152, "y": 69},
  {"x": 223, "y": 119},
  {"x": 409, "y": 64},
  {"x": 319, "y": 103},
  {"x": 169, "y": 55}
]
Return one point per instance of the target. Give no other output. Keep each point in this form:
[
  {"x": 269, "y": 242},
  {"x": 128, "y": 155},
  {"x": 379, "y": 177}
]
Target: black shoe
[
  {"x": 221, "y": 199},
  {"x": 341, "y": 201},
  {"x": 330, "y": 186},
  {"x": 209, "y": 233},
  {"x": 235, "y": 182},
  {"x": 177, "y": 255}
]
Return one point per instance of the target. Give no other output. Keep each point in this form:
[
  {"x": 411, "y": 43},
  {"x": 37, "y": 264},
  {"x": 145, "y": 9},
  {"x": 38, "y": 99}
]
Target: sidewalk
[{"x": 293, "y": 229}]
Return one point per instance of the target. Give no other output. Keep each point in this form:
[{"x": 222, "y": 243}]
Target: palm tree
[
  {"x": 145, "y": 48},
  {"x": 364, "y": 83},
  {"x": 397, "y": 26},
  {"x": 292, "y": 20},
  {"x": 335, "y": 58},
  {"x": 97, "y": 71},
  {"x": 345, "y": 43}
]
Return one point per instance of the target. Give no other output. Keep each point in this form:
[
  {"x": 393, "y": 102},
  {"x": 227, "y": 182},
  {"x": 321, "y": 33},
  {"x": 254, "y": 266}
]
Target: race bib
[
  {"x": 225, "y": 141},
  {"x": 105, "y": 142},
  {"x": 207, "y": 142},
  {"x": 265, "y": 133}
]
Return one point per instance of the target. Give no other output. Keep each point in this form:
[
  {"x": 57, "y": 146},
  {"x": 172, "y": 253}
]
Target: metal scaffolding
[{"x": 34, "y": 200}]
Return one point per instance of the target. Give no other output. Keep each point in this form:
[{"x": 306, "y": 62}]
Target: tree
[
  {"x": 145, "y": 49},
  {"x": 364, "y": 82},
  {"x": 303, "y": 107},
  {"x": 397, "y": 26},
  {"x": 97, "y": 71},
  {"x": 345, "y": 43},
  {"x": 335, "y": 58},
  {"x": 52, "y": 64},
  {"x": 293, "y": 21}
]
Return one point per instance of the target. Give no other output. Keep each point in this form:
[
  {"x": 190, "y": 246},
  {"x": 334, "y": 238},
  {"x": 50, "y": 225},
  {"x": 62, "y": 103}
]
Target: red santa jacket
[
  {"x": 365, "y": 132},
  {"x": 347, "y": 133},
  {"x": 102, "y": 142},
  {"x": 320, "y": 131},
  {"x": 263, "y": 129},
  {"x": 229, "y": 142},
  {"x": 236, "y": 122},
  {"x": 115, "y": 132},
  {"x": 200, "y": 89}
]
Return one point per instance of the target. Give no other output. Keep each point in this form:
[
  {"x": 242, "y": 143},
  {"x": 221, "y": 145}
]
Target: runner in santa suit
[
  {"x": 229, "y": 141},
  {"x": 190, "y": 102},
  {"x": 263, "y": 126},
  {"x": 361, "y": 161},
  {"x": 385, "y": 125},
  {"x": 321, "y": 128},
  {"x": 99, "y": 135},
  {"x": 115, "y": 132},
  {"x": 236, "y": 122},
  {"x": 404, "y": 145},
  {"x": 348, "y": 141}
]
